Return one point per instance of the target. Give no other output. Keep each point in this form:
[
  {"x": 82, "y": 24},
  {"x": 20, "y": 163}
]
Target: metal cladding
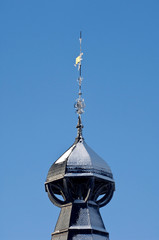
[
  {"x": 85, "y": 182},
  {"x": 79, "y": 160},
  {"x": 82, "y": 220}
]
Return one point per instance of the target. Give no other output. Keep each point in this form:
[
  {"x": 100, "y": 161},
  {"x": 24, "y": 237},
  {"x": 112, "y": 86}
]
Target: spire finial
[{"x": 79, "y": 104}]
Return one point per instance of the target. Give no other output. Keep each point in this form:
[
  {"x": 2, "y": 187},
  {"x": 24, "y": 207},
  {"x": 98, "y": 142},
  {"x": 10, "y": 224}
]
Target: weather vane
[{"x": 79, "y": 104}]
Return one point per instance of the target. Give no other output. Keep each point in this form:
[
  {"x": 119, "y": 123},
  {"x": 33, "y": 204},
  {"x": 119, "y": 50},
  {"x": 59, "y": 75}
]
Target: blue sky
[{"x": 38, "y": 88}]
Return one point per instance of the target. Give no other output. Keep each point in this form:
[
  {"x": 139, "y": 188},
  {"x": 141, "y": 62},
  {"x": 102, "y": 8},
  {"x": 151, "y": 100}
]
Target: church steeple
[{"x": 85, "y": 183}]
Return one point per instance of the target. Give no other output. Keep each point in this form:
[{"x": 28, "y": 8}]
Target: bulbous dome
[
  {"x": 79, "y": 160},
  {"x": 80, "y": 174}
]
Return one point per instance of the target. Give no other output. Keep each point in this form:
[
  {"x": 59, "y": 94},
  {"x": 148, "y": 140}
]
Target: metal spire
[{"x": 79, "y": 104}]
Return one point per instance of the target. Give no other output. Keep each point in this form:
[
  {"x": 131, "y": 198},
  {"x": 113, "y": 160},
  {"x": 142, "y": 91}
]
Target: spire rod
[{"x": 79, "y": 104}]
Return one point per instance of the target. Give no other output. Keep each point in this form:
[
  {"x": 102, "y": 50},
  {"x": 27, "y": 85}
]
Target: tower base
[{"x": 80, "y": 221}]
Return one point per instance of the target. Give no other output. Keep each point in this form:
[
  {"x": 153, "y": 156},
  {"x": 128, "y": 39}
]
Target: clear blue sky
[{"x": 38, "y": 88}]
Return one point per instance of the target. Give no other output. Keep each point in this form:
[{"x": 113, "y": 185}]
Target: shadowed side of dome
[{"x": 58, "y": 168}]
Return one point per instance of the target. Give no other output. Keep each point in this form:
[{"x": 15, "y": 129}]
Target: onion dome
[
  {"x": 79, "y": 159},
  {"x": 80, "y": 173}
]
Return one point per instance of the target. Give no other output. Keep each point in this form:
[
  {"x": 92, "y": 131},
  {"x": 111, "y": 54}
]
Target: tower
[{"x": 85, "y": 182}]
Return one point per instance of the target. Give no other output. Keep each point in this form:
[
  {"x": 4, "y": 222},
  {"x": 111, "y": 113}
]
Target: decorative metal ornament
[{"x": 85, "y": 183}]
